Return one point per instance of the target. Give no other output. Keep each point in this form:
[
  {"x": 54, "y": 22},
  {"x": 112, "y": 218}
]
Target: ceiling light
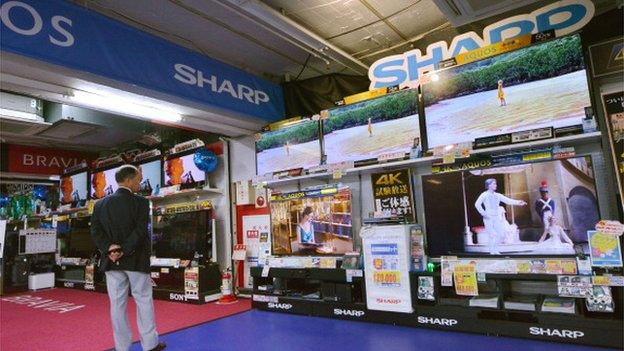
[
  {"x": 4, "y": 112},
  {"x": 119, "y": 105}
]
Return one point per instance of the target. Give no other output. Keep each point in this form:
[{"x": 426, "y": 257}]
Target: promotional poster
[
  {"x": 392, "y": 192},
  {"x": 605, "y": 250},
  {"x": 614, "y": 112}
]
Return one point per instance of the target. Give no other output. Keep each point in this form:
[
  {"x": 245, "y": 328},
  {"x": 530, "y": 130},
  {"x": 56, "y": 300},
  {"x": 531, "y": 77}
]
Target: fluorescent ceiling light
[
  {"x": 4, "y": 112},
  {"x": 123, "y": 106}
]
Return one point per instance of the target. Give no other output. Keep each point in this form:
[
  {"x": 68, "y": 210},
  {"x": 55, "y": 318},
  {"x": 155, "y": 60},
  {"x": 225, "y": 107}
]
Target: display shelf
[
  {"x": 71, "y": 211},
  {"x": 509, "y": 276},
  {"x": 325, "y": 274},
  {"x": 570, "y": 140},
  {"x": 332, "y": 223},
  {"x": 188, "y": 193},
  {"x": 339, "y": 236}
]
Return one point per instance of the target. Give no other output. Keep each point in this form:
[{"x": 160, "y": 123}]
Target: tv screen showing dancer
[
  {"x": 544, "y": 85},
  {"x": 541, "y": 208}
]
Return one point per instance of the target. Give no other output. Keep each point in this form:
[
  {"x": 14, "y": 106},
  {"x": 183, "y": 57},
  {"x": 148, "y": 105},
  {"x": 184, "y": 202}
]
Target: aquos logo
[
  {"x": 30, "y": 23},
  {"x": 280, "y": 306},
  {"x": 437, "y": 321},
  {"x": 351, "y": 313},
  {"x": 560, "y": 333},
  {"x": 564, "y": 17}
]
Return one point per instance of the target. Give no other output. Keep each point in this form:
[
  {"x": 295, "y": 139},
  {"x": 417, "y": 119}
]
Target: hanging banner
[
  {"x": 387, "y": 266},
  {"x": 614, "y": 113},
  {"x": 392, "y": 191},
  {"x": 562, "y": 17},
  {"x": 68, "y": 35}
]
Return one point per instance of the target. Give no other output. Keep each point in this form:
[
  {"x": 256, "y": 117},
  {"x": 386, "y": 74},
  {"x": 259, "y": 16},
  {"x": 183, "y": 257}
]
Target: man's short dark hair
[{"x": 126, "y": 172}]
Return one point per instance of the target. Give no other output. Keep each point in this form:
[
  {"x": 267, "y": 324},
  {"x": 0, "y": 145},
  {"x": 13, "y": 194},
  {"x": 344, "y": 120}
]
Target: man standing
[
  {"x": 488, "y": 205},
  {"x": 119, "y": 227},
  {"x": 545, "y": 205}
]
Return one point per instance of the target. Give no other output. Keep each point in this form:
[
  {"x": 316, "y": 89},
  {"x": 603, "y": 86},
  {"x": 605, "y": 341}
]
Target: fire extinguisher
[{"x": 227, "y": 296}]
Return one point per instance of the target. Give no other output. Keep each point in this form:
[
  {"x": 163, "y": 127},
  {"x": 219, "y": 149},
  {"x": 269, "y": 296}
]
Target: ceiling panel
[
  {"x": 388, "y": 8},
  {"x": 326, "y": 18},
  {"x": 371, "y": 38},
  {"x": 418, "y": 19}
]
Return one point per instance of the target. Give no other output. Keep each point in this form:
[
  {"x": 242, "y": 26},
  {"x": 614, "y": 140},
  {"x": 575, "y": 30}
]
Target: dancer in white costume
[
  {"x": 559, "y": 241},
  {"x": 488, "y": 206}
]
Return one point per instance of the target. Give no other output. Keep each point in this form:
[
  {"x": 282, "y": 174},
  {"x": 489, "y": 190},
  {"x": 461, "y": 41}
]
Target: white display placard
[
  {"x": 2, "y": 235},
  {"x": 387, "y": 265},
  {"x": 257, "y": 239}
]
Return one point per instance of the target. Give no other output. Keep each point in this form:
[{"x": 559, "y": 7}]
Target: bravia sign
[
  {"x": 38, "y": 160},
  {"x": 65, "y": 34},
  {"x": 564, "y": 17}
]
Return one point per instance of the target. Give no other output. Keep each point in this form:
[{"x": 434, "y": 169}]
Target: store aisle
[
  {"x": 267, "y": 331},
  {"x": 67, "y": 319}
]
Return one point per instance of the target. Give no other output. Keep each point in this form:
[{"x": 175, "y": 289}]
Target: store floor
[
  {"x": 78, "y": 320},
  {"x": 268, "y": 331}
]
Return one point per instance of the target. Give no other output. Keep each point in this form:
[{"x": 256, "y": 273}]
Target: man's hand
[{"x": 114, "y": 252}]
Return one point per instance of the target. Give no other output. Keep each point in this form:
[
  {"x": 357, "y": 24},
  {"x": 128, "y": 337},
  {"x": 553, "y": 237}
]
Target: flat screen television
[
  {"x": 180, "y": 169},
  {"x": 74, "y": 188},
  {"x": 103, "y": 181},
  {"x": 563, "y": 189},
  {"x": 151, "y": 173},
  {"x": 80, "y": 243},
  {"x": 295, "y": 145},
  {"x": 368, "y": 129},
  {"x": 317, "y": 222},
  {"x": 543, "y": 85},
  {"x": 181, "y": 235}
]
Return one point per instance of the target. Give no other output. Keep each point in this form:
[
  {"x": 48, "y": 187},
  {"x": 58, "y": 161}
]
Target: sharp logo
[
  {"x": 437, "y": 321},
  {"x": 560, "y": 333},
  {"x": 388, "y": 301},
  {"x": 280, "y": 306},
  {"x": 351, "y": 313},
  {"x": 176, "y": 297}
]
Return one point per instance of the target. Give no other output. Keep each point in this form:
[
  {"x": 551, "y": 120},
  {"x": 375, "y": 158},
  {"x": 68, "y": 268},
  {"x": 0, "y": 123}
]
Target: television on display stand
[
  {"x": 103, "y": 182},
  {"x": 180, "y": 170},
  {"x": 74, "y": 186},
  {"x": 150, "y": 165}
]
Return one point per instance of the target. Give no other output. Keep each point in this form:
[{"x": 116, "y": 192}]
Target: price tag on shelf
[
  {"x": 390, "y": 156},
  {"x": 54, "y": 221},
  {"x": 337, "y": 174},
  {"x": 480, "y": 276},
  {"x": 448, "y": 159},
  {"x": 265, "y": 271},
  {"x": 240, "y": 252}
]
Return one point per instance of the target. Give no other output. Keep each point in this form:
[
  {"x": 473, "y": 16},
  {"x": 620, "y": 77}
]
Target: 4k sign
[{"x": 392, "y": 191}]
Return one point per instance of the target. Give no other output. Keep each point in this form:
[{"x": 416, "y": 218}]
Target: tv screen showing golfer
[
  {"x": 544, "y": 85},
  {"x": 292, "y": 146},
  {"x": 368, "y": 129}
]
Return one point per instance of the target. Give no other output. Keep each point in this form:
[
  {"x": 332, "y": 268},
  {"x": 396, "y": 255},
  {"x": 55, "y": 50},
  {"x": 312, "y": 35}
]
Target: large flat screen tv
[
  {"x": 151, "y": 173},
  {"x": 181, "y": 235},
  {"x": 368, "y": 129},
  {"x": 74, "y": 188},
  {"x": 180, "y": 169},
  {"x": 103, "y": 182},
  {"x": 463, "y": 218},
  {"x": 80, "y": 243},
  {"x": 312, "y": 223},
  {"x": 543, "y": 85},
  {"x": 294, "y": 145}
]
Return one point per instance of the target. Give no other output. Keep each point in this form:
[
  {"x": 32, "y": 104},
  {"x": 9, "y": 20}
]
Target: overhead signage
[
  {"x": 39, "y": 160},
  {"x": 562, "y": 17},
  {"x": 68, "y": 35},
  {"x": 607, "y": 57}
]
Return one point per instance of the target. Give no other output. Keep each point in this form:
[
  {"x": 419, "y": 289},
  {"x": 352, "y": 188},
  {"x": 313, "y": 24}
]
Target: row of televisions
[
  {"x": 79, "y": 184},
  {"x": 539, "y": 86}
]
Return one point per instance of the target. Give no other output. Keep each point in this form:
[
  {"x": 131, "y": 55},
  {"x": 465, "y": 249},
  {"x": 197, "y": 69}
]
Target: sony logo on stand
[
  {"x": 437, "y": 321},
  {"x": 280, "y": 306},
  {"x": 561, "y": 333},
  {"x": 176, "y": 297},
  {"x": 352, "y": 313}
]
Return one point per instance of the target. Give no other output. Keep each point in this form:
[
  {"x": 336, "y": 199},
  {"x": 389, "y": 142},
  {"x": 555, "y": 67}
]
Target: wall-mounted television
[
  {"x": 80, "y": 243},
  {"x": 464, "y": 218},
  {"x": 151, "y": 174},
  {"x": 543, "y": 85},
  {"x": 74, "y": 188},
  {"x": 181, "y": 235},
  {"x": 103, "y": 182},
  {"x": 368, "y": 129},
  {"x": 316, "y": 222},
  {"x": 294, "y": 145},
  {"x": 180, "y": 169}
]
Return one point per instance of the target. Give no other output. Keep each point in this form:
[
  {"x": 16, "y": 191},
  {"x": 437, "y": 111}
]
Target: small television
[
  {"x": 316, "y": 222},
  {"x": 180, "y": 169},
  {"x": 80, "y": 243},
  {"x": 181, "y": 235},
  {"x": 74, "y": 188},
  {"x": 540, "y": 86},
  {"x": 293, "y": 145},
  {"x": 517, "y": 221},
  {"x": 103, "y": 182},
  {"x": 151, "y": 174},
  {"x": 365, "y": 130}
]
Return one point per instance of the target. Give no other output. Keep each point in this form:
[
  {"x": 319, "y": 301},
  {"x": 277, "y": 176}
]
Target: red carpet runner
[{"x": 66, "y": 319}]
